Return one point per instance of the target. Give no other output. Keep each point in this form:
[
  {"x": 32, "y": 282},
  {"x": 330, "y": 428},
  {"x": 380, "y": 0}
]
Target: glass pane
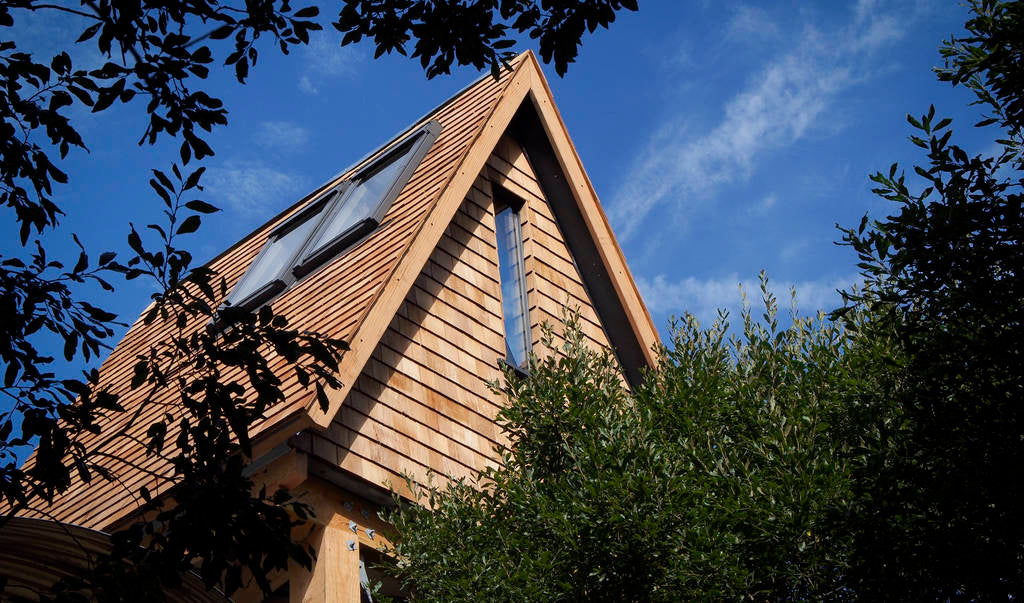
[
  {"x": 278, "y": 256},
  {"x": 512, "y": 274},
  {"x": 361, "y": 201}
]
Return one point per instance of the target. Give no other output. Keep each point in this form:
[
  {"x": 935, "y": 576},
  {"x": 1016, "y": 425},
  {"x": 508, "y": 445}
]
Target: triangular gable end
[
  {"x": 527, "y": 113},
  {"x": 416, "y": 398},
  {"x": 422, "y": 402}
]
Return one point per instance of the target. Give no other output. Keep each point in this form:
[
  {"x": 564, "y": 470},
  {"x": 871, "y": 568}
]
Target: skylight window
[
  {"x": 362, "y": 206},
  {"x": 268, "y": 274},
  {"x": 332, "y": 223}
]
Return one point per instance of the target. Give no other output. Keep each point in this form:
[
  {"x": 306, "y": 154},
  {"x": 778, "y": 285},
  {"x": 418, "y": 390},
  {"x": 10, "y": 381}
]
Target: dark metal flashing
[{"x": 527, "y": 129}]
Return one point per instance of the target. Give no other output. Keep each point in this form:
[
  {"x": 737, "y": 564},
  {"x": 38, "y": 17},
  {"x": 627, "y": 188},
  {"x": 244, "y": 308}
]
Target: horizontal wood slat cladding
[
  {"x": 432, "y": 364},
  {"x": 334, "y": 300},
  {"x": 422, "y": 403},
  {"x": 551, "y": 272}
]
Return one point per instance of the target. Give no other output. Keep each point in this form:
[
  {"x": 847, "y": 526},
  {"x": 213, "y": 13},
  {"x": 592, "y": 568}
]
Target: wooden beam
[
  {"x": 356, "y": 516},
  {"x": 334, "y": 577},
  {"x": 590, "y": 208}
]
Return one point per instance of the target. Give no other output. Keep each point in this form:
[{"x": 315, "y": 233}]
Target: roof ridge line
[{"x": 515, "y": 64}]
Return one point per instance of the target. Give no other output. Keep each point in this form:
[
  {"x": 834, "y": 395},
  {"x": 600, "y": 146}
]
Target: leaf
[
  {"x": 89, "y": 32},
  {"x": 185, "y": 152},
  {"x": 222, "y": 32},
  {"x": 193, "y": 178},
  {"x": 200, "y": 148},
  {"x": 201, "y": 206},
  {"x": 141, "y": 373},
  {"x": 83, "y": 263},
  {"x": 164, "y": 180},
  {"x": 70, "y": 343},
  {"x": 135, "y": 242},
  {"x": 305, "y": 13},
  {"x": 321, "y": 397},
  {"x": 12, "y": 373},
  {"x": 241, "y": 70},
  {"x": 161, "y": 192},
  {"x": 61, "y": 63},
  {"x": 191, "y": 224},
  {"x": 83, "y": 470}
]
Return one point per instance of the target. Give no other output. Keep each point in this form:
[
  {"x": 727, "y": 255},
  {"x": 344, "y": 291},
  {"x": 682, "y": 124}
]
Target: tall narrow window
[{"x": 512, "y": 272}]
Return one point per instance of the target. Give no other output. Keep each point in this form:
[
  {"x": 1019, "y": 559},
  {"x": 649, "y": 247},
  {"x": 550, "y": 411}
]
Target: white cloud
[
  {"x": 281, "y": 135},
  {"x": 748, "y": 21},
  {"x": 703, "y": 298},
  {"x": 323, "y": 58},
  {"x": 680, "y": 168},
  {"x": 250, "y": 188},
  {"x": 764, "y": 205}
]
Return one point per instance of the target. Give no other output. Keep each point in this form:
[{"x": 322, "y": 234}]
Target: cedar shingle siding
[{"x": 419, "y": 302}]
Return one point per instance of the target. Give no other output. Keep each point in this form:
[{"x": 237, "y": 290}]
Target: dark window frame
[
  {"x": 325, "y": 207},
  {"x": 416, "y": 146},
  {"x": 284, "y": 277}
]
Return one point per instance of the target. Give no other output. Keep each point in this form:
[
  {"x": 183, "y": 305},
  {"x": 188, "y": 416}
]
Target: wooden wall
[{"x": 422, "y": 401}]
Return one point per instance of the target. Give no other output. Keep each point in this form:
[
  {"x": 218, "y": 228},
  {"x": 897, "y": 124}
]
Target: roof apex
[{"x": 527, "y": 83}]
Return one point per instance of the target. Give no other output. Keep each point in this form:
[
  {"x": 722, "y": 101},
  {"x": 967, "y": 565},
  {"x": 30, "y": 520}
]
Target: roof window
[{"x": 331, "y": 223}]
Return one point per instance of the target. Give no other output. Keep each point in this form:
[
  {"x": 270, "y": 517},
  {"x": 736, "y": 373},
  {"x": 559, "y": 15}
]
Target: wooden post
[{"x": 335, "y": 575}]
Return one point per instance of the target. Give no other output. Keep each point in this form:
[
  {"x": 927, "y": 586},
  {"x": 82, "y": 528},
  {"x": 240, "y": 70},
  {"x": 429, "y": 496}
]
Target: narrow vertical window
[{"x": 512, "y": 273}]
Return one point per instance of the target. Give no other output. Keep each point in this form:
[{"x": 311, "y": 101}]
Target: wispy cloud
[
  {"x": 323, "y": 59},
  {"x": 281, "y": 135},
  {"x": 703, "y": 298},
  {"x": 683, "y": 165},
  {"x": 251, "y": 189},
  {"x": 763, "y": 206},
  {"x": 750, "y": 20}
]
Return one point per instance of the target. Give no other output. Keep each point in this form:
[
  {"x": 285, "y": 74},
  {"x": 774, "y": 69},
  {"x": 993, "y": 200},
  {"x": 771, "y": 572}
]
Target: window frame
[
  {"x": 326, "y": 206},
  {"x": 284, "y": 277},
  {"x": 415, "y": 146},
  {"x": 503, "y": 198}
]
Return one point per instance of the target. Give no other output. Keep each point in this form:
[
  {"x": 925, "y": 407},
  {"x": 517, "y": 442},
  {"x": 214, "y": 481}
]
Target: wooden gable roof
[{"x": 357, "y": 295}]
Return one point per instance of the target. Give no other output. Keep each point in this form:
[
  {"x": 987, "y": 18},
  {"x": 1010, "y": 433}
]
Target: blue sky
[{"x": 722, "y": 138}]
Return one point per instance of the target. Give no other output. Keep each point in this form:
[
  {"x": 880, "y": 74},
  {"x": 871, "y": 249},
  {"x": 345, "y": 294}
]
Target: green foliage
[
  {"x": 939, "y": 514},
  {"x": 771, "y": 424},
  {"x": 221, "y": 382},
  {"x": 724, "y": 476},
  {"x": 161, "y": 52},
  {"x": 218, "y": 524},
  {"x": 475, "y": 33},
  {"x": 561, "y": 518}
]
